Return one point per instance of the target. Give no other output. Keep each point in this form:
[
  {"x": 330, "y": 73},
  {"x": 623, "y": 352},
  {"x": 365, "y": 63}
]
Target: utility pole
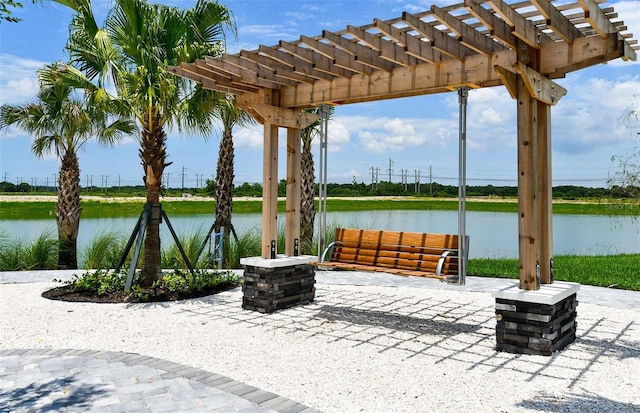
[
  {"x": 373, "y": 176},
  {"x": 417, "y": 175},
  {"x": 403, "y": 174},
  {"x": 5, "y": 177},
  {"x": 430, "y": 181},
  {"x": 91, "y": 185},
  {"x": 183, "y": 175},
  {"x": 390, "y": 170}
]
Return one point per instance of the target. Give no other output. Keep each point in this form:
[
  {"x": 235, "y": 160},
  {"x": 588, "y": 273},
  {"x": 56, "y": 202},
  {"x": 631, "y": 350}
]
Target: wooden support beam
[
  {"x": 248, "y": 70},
  {"x": 319, "y": 61},
  {"x": 557, "y": 21},
  {"x": 497, "y": 27},
  {"x": 340, "y": 57},
  {"x": 207, "y": 82},
  {"x": 559, "y": 58},
  {"x": 279, "y": 69},
  {"x": 412, "y": 44},
  {"x": 275, "y": 115},
  {"x": 544, "y": 193},
  {"x": 386, "y": 49},
  {"x": 402, "y": 82},
  {"x": 509, "y": 79},
  {"x": 596, "y": 18},
  {"x": 295, "y": 63},
  {"x": 270, "y": 191},
  {"x": 540, "y": 87},
  {"x": 528, "y": 209},
  {"x": 522, "y": 28},
  {"x": 469, "y": 37},
  {"x": 440, "y": 41},
  {"x": 361, "y": 53},
  {"x": 292, "y": 231}
]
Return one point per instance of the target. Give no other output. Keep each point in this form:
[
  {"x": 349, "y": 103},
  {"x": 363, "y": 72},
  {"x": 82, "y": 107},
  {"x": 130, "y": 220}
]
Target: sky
[{"x": 414, "y": 137}]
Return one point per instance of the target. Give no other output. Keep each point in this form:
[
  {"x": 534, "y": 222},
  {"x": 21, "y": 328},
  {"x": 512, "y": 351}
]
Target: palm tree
[
  {"x": 307, "y": 182},
  {"x": 139, "y": 41},
  {"x": 230, "y": 115},
  {"x": 62, "y": 123}
]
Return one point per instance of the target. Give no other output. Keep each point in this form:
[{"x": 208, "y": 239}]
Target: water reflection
[{"x": 492, "y": 234}]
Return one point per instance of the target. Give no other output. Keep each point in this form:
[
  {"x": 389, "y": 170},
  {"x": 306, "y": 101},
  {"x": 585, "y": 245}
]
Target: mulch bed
[{"x": 65, "y": 293}]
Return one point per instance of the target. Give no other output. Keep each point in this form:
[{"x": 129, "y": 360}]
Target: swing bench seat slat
[{"x": 401, "y": 253}]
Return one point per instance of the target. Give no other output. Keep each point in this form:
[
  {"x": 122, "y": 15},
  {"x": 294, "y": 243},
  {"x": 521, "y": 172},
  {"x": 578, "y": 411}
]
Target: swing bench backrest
[{"x": 401, "y": 253}]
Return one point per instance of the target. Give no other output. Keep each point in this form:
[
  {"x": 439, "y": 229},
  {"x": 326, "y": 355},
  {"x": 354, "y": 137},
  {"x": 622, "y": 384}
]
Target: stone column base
[
  {"x": 536, "y": 322},
  {"x": 272, "y": 285}
]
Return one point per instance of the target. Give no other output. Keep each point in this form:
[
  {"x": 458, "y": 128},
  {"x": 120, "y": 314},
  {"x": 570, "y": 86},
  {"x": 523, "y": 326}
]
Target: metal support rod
[
  {"x": 132, "y": 238},
  {"x": 142, "y": 229},
  {"x": 322, "y": 178},
  {"x": 463, "y": 94},
  {"x": 175, "y": 238}
]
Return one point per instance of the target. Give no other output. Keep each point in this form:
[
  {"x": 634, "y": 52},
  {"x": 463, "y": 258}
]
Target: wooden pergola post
[
  {"x": 270, "y": 191},
  {"x": 292, "y": 234},
  {"x": 535, "y": 94},
  {"x": 527, "y": 187},
  {"x": 544, "y": 193}
]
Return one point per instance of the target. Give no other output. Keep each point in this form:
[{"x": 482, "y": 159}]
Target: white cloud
[
  {"x": 382, "y": 134},
  {"x": 18, "y": 79},
  {"x": 588, "y": 118},
  {"x": 339, "y": 136},
  {"x": 248, "y": 138}
]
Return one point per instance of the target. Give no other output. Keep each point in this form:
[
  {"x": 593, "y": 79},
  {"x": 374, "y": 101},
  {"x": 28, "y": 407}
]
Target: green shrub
[
  {"x": 175, "y": 284},
  {"x": 41, "y": 254},
  {"x": 104, "y": 251}
]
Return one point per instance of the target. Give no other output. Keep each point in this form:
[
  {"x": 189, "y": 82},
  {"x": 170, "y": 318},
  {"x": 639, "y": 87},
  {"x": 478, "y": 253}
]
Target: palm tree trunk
[
  {"x": 307, "y": 196},
  {"x": 68, "y": 211},
  {"x": 153, "y": 154},
  {"x": 224, "y": 187}
]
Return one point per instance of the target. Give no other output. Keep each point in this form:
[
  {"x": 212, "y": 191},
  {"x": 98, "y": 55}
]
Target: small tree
[
  {"x": 626, "y": 178},
  {"x": 61, "y": 122},
  {"x": 230, "y": 115}
]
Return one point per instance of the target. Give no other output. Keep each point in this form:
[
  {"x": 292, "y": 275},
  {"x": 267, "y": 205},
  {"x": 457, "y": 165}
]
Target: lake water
[{"x": 492, "y": 234}]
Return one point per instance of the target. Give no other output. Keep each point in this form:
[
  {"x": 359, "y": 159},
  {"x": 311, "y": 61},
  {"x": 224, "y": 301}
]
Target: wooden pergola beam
[
  {"x": 319, "y": 61},
  {"x": 361, "y": 53},
  {"x": 340, "y": 57},
  {"x": 412, "y": 44},
  {"x": 386, "y": 49},
  {"x": 249, "y": 71},
  {"x": 469, "y": 37},
  {"x": 276, "y": 115},
  {"x": 522, "y": 28},
  {"x": 558, "y": 58},
  {"x": 295, "y": 64},
  {"x": 497, "y": 27},
  {"x": 279, "y": 69},
  {"x": 557, "y": 21},
  {"x": 439, "y": 40},
  {"x": 596, "y": 18}
]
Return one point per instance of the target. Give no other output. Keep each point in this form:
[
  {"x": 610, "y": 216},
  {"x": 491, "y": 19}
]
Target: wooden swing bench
[{"x": 401, "y": 253}]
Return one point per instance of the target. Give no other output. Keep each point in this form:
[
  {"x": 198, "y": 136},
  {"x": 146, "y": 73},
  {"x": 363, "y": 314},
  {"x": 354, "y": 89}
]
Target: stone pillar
[
  {"x": 275, "y": 284},
  {"x": 536, "y": 322}
]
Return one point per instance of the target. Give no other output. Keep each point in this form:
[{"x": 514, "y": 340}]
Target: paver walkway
[{"x": 81, "y": 380}]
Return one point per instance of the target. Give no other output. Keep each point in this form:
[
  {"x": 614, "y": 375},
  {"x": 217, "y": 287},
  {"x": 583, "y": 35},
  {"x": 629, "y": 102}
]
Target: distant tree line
[
  {"x": 434, "y": 189},
  {"x": 354, "y": 189}
]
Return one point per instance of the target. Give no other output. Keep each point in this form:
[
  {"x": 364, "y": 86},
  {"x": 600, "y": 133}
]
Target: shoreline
[{"x": 198, "y": 198}]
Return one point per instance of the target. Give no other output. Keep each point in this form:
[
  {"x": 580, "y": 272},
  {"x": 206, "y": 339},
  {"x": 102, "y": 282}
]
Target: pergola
[{"x": 522, "y": 45}]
